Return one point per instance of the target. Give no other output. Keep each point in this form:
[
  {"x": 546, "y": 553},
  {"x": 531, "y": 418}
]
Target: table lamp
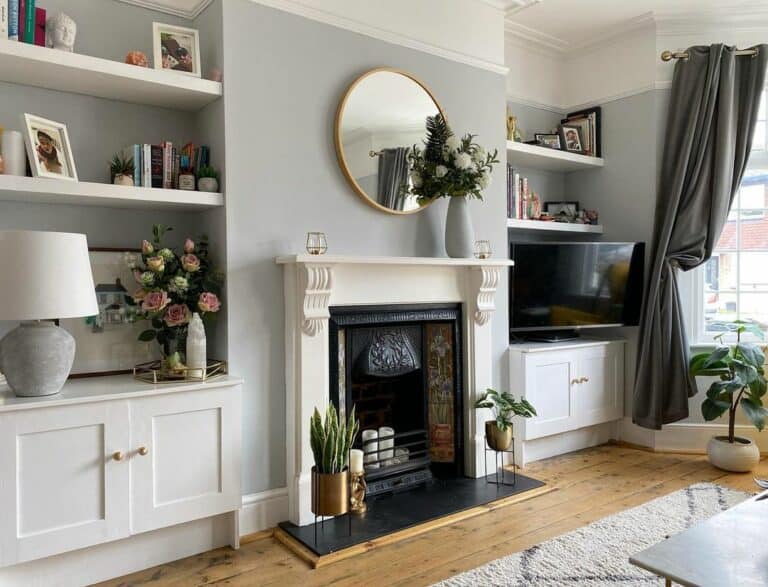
[{"x": 43, "y": 276}]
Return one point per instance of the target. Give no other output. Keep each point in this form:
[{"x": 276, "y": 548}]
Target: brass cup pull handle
[
  {"x": 118, "y": 456},
  {"x": 143, "y": 451},
  {"x": 575, "y": 381},
  {"x": 584, "y": 379}
]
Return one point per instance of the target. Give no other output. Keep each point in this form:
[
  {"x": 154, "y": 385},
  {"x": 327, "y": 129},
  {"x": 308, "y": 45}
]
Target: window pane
[
  {"x": 720, "y": 273},
  {"x": 758, "y": 142},
  {"x": 753, "y": 194},
  {"x": 753, "y": 231},
  {"x": 754, "y": 308},
  {"x": 728, "y": 240},
  {"x": 719, "y": 308},
  {"x": 753, "y": 272}
]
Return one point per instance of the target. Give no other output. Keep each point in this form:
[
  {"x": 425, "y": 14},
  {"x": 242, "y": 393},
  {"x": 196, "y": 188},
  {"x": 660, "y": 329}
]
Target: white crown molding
[
  {"x": 160, "y": 6},
  {"x": 510, "y": 6},
  {"x": 743, "y": 19},
  {"x": 560, "y": 110},
  {"x": 536, "y": 38},
  {"x": 381, "y": 34}
]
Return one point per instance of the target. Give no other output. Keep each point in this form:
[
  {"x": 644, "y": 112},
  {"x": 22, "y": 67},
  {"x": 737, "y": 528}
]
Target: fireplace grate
[{"x": 402, "y": 465}]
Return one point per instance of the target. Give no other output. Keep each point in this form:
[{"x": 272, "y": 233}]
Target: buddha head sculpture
[{"x": 60, "y": 32}]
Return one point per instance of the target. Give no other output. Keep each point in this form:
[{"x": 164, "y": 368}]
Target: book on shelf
[
  {"x": 13, "y": 20},
  {"x": 134, "y": 152},
  {"x": 156, "y": 166},
  {"x": 167, "y": 165},
  {"x": 146, "y": 165},
  {"x": 29, "y": 22},
  {"x": 589, "y": 124},
  {"x": 3, "y": 19},
  {"x": 39, "y": 36}
]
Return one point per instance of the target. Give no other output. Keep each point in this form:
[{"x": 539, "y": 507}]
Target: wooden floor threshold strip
[{"x": 317, "y": 561}]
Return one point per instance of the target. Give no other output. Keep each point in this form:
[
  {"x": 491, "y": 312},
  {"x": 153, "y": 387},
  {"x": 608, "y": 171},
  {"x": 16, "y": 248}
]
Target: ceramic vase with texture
[{"x": 459, "y": 234}]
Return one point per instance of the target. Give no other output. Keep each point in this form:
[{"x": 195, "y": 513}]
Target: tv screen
[{"x": 566, "y": 286}]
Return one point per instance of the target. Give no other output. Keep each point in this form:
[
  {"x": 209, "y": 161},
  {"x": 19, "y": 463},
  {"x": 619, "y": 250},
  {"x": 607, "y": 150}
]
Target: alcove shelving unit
[
  {"x": 554, "y": 226},
  {"x": 546, "y": 159}
]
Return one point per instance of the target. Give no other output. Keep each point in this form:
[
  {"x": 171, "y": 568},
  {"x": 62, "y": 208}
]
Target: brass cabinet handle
[
  {"x": 143, "y": 451},
  {"x": 118, "y": 456},
  {"x": 584, "y": 379},
  {"x": 575, "y": 381}
]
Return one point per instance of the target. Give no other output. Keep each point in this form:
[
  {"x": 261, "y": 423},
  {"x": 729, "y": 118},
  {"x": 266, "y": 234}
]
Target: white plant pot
[
  {"x": 740, "y": 456},
  {"x": 208, "y": 184},
  {"x": 121, "y": 179}
]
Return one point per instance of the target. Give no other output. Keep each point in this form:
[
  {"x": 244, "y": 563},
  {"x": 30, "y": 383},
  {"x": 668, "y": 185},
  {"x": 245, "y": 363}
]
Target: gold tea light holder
[
  {"x": 317, "y": 243},
  {"x": 483, "y": 249},
  {"x": 156, "y": 373}
]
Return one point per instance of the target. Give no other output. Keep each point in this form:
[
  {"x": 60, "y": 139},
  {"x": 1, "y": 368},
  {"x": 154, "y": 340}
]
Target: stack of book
[
  {"x": 159, "y": 166},
  {"x": 21, "y": 20},
  {"x": 518, "y": 195}
]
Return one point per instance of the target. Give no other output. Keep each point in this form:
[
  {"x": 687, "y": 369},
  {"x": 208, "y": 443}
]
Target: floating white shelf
[
  {"x": 21, "y": 63},
  {"x": 534, "y": 157},
  {"x": 553, "y": 226},
  {"x": 56, "y": 191}
]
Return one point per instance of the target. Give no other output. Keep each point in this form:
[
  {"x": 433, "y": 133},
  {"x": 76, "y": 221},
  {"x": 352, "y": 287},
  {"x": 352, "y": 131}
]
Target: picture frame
[
  {"x": 571, "y": 139},
  {"x": 107, "y": 344},
  {"x": 549, "y": 140},
  {"x": 176, "y": 49},
  {"x": 48, "y": 148},
  {"x": 557, "y": 209},
  {"x": 593, "y": 116}
]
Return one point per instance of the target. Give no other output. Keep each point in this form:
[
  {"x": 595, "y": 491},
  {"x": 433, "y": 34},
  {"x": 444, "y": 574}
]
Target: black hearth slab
[{"x": 388, "y": 514}]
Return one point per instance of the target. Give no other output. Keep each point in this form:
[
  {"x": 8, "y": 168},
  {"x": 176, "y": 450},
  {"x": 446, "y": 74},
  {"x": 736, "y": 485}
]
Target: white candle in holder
[
  {"x": 356, "y": 460},
  {"x": 386, "y": 444},
  {"x": 371, "y": 448}
]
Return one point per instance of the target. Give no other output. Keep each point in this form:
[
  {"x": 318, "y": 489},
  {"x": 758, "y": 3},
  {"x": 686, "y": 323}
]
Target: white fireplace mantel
[{"x": 315, "y": 283}]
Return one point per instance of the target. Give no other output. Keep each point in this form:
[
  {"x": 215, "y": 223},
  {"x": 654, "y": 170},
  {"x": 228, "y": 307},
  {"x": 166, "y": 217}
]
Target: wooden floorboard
[{"x": 589, "y": 484}]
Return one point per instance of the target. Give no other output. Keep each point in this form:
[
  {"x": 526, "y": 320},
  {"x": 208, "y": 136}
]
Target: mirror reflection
[{"x": 380, "y": 118}]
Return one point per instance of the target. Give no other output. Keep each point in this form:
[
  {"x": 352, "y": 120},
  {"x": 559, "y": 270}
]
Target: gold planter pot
[
  {"x": 497, "y": 438},
  {"x": 330, "y": 493}
]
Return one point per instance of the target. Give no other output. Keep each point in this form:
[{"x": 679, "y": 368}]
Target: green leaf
[
  {"x": 147, "y": 336},
  {"x": 758, "y": 387},
  {"x": 754, "y": 411},
  {"x": 718, "y": 355},
  {"x": 746, "y": 373},
  {"x": 711, "y": 410},
  {"x": 751, "y": 353}
]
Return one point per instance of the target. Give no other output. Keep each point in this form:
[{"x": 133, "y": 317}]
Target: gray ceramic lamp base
[{"x": 36, "y": 358}]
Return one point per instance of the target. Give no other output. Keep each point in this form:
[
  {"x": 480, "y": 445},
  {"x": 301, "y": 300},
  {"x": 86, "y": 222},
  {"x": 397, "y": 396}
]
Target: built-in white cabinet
[
  {"x": 93, "y": 465},
  {"x": 572, "y": 385}
]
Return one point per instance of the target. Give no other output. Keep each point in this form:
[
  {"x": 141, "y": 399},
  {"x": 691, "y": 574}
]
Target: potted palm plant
[
  {"x": 331, "y": 440},
  {"x": 121, "y": 170},
  {"x": 739, "y": 370},
  {"x": 498, "y": 432}
]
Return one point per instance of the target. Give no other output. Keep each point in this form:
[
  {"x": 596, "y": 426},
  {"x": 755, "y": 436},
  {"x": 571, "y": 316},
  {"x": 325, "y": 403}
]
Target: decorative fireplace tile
[{"x": 440, "y": 392}]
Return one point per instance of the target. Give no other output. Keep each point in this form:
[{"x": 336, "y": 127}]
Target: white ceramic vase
[
  {"x": 739, "y": 456},
  {"x": 459, "y": 234},
  {"x": 208, "y": 184},
  {"x": 122, "y": 179}
]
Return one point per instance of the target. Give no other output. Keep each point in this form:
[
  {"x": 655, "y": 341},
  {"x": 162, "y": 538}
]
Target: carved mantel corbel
[
  {"x": 486, "y": 293},
  {"x": 317, "y": 297}
]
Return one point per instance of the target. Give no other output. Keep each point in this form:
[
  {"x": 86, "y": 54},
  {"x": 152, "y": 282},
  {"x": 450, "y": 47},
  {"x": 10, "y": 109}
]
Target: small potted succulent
[
  {"x": 740, "y": 382},
  {"x": 331, "y": 439},
  {"x": 121, "y": 170},
  {"x": 498, "y": 432},
  {"x": 207, "y": 179}
]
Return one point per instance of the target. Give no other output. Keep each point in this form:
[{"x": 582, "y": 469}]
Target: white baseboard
[
  {"x": 263, "y": 510},
  {"x": 558, "y": 444}
]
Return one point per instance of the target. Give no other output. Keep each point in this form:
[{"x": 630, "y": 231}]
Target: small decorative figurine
[
  {"x": 60, "y": 32},
  {"x": 215, "y": 75},
  {"x": 592, "y": 217},
  {"x": 137, "y": 58},
  {"x": 357, "y": 494},
  {"x": 513, "y": 132}
]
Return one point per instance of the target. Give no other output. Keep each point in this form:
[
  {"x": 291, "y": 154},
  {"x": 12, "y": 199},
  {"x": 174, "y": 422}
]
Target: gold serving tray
[{"x": 154, "y": 372}]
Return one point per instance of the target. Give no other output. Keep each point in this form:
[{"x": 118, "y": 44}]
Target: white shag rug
[{"x": 598, "y": 554}]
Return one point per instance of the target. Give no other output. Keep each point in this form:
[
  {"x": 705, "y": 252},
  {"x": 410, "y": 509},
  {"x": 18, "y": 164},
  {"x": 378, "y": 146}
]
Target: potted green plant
[
  {"x": 739, "y": 370},
  {"x": 330, "y": 439},
  {"x": 498, "y": 432},
  {"x": 121, "y": 170},
  {"x": 207, "y": 179}
]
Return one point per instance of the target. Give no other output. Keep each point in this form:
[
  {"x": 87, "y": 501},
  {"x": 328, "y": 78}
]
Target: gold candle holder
[
  {"x": 483, "y": 249},
  {"x": 357, "y": 493},
  {"x": 317, "y": 243}
]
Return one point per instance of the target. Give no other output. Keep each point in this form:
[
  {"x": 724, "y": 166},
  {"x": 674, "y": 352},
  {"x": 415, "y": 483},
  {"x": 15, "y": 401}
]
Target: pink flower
[
  {"x": 190, "y": 263},
  {"x": 147, "y": 248},
  {"x": 156, "y": 264},
  {"x": 155, "y": 301},
  {"x": 189, "y": 246},
  {"x": 208, "y": 302},
  {"x": 176, "y": 315},
  {"x": 139, "y": 295}
]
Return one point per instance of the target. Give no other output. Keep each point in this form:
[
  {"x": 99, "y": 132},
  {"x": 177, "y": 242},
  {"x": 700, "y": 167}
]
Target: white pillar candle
[
  {"x": 386, "y": 444},
  {"x": 370, "y": 448},
  {"x": 356, "y": 460},
  {"x": 14, "y": 155}
]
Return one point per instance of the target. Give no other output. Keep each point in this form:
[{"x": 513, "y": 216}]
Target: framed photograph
[
  {"x": 551, "y": 140},
  {"x": 589, "y": 119},
  {"x": 48, "y": 148},
  {"x": 176, "y": 49},
  {"x": 108, "y": 343},
  {"x": 562, "y": 209},
  {"x": 571, "y": 138}
]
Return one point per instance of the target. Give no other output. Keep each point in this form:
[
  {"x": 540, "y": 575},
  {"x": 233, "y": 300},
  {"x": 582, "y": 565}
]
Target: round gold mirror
[{"x": 381, "y": 116}]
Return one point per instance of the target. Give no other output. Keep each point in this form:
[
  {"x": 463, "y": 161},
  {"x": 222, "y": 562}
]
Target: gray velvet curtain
[
  {"x": 712, "y": 113},
  {"x": 393, "y": 174}
]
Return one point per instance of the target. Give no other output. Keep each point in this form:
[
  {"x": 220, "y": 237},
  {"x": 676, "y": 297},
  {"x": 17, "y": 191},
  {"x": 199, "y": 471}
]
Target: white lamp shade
[{"x": 45, "y": 275}]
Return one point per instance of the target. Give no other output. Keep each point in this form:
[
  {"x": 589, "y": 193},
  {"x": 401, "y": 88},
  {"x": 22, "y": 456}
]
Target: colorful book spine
[
  {"x": 516, "y": 195},
  {"x": 13, "y": 20},
  {"x": 175, "y": 183},
  {"x": 156, "y": 163},
  {"x": 134, "y": 152},
  {"x": 40, "y": 15},
  {"x": 167, "y": 165},
  {"x": 146, "y": 165},
  {"x": 524, "y": 200},
  {"x": 29, "y": 21},
  {"x": 3, "y": 19}
]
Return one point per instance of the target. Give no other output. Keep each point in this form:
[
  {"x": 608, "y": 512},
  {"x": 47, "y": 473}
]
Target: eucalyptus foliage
[
  {"x": 504, "y": 407},
  {"x": 331, "y": 439},
  {"x": 740, "y": 379}
]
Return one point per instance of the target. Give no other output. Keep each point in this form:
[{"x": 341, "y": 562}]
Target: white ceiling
[
  {"x": 185, "y": 8},
  {"x": 567, "y": 24}
]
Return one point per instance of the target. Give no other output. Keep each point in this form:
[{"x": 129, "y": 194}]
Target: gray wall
[{"x": 283, "y": 78}]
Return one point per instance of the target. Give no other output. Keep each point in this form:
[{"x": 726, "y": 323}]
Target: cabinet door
[
  {"x": 60, "y": 488},
  {"x": 599, "y": 395},
  {"x": 548, "y": 380},
  {"x": 191, "y": 468}
]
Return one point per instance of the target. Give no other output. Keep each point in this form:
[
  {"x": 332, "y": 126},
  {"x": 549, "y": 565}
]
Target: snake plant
[{"x": 331, "y": 439}]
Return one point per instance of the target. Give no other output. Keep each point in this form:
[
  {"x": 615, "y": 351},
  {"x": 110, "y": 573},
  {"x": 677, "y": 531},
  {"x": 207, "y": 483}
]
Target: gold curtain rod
[
  {"x": 670, "y": 55},
  {"x": 375, "y": 153}
]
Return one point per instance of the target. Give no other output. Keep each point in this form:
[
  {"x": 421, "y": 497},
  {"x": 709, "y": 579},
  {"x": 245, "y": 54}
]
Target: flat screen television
[{"x": 570, "y": 286}]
